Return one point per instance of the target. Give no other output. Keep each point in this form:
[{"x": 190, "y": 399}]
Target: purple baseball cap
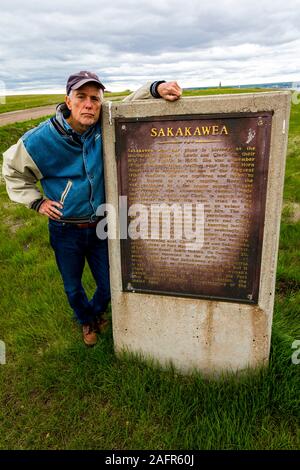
[{"x": 76, "y": 80}]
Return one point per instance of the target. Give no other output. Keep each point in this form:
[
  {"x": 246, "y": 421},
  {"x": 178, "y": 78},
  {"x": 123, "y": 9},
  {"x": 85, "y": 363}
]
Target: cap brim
[{"x": 87, "y": 80}]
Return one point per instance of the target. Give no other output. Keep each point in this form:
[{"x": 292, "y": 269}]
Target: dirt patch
[
  {"x": 14, "y": 225},
  {"x": 8, "y": 205},
  {"x": 293, "y": 210},
  {"x": 296, "y": 212},
  {"x": 287, "y": 286}
]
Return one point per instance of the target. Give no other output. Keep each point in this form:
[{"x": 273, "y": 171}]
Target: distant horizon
[{"x": 61, "y": 91}]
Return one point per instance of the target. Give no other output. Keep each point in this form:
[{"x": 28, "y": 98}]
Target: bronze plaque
[{"x": 193, "y": 205}]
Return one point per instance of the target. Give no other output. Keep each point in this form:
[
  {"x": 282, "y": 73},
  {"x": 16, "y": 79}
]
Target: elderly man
[{"x": 65, "y": 154}]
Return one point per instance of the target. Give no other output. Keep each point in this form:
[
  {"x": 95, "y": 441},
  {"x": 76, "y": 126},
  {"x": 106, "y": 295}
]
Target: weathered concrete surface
[{"x": 210, "y": 336}]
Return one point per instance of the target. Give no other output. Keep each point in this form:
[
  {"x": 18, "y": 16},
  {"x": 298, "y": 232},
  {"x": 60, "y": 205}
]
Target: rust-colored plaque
[{"x": 193, "y": 205}]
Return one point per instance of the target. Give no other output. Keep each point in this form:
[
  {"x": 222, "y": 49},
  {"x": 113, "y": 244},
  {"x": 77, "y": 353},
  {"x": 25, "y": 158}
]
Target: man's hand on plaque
[{"x": 169, "y": 91}]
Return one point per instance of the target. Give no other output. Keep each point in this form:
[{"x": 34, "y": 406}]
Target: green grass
[
  {"x": 292, "y": 174},
  {"x": 224, "y": 91},
  {"x": 17, "y": 102},
  {"x": 57, "y": 394},
  {"x": 116, "y": 96},
  {"x": 13, "y": 103}
]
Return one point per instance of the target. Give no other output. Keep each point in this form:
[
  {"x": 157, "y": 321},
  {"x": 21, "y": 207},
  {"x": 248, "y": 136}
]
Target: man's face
[{"x": 85, "y": 106}]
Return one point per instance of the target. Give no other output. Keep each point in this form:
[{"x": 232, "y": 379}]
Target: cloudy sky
[{"x": 198, "y": 43}]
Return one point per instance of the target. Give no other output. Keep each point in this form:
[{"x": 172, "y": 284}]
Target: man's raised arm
[{"x": 169, "y": 91}]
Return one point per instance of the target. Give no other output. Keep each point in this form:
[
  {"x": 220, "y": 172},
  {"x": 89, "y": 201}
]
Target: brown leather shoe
[
  {"x": 101, "y": 324},
  {"x": 89, "y": 335}
]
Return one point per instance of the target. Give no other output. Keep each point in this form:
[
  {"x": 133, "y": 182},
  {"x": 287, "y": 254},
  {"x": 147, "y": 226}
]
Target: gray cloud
[{"x": 130, "y": 42}]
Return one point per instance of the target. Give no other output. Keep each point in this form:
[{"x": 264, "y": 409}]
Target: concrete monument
[{"x": 194, "y": 194}]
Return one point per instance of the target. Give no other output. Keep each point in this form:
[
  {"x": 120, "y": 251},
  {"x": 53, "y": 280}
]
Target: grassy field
[
  {"x": 16, "y": 102},
  {"x": 223, "y": 91},
  {"x": 57, "y": 394}
]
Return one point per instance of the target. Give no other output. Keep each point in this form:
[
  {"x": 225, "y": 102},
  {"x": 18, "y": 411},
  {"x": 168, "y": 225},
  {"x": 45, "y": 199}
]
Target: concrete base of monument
[{"x": 208, "y": 336}]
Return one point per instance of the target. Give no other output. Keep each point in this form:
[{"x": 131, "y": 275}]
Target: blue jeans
[{"x": 72, "y": 245}]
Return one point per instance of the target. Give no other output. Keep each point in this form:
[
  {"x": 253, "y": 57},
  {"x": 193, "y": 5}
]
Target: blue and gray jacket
[
  {"x": 71, "y": 165},
  {"x": 68, "y": 165}
]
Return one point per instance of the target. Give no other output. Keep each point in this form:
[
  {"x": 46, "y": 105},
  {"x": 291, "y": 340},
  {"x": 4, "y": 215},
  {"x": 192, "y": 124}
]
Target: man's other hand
[
  {"x": 169, "y": 91},
  {"x": 50, "y": 209}
]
